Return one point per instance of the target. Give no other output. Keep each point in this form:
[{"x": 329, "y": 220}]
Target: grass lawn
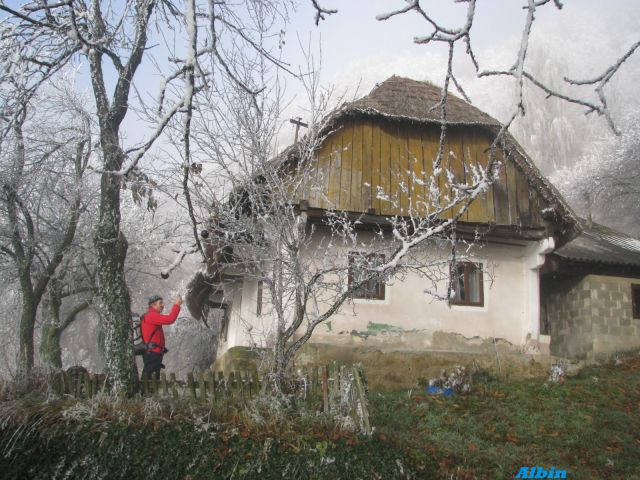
[{"x": 588, "y": 426}]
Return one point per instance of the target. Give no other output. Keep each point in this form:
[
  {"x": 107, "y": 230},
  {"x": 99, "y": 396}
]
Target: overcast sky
[{"x": 358, "y": 49}]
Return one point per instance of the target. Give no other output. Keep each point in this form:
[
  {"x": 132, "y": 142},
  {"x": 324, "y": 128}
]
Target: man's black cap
[{"x": 154, "y": 298}]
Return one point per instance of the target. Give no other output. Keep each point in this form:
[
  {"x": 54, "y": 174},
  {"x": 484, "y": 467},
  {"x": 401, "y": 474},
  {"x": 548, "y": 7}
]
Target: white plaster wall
[
  {"x": 510, "y": 309},
  {"x": 409, "y": 308}
]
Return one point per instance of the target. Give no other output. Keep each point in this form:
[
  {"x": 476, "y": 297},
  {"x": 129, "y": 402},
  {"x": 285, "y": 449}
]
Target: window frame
[
  {"x": 453, "y": 273},
  {"x": 380, "y": 291},
  {"x": 635, "y": 306}
]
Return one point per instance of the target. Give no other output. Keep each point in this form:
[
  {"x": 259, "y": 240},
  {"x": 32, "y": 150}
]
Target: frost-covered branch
[
  {"x": 518, "y": 71},
  {"x": 321, "y": 12}
]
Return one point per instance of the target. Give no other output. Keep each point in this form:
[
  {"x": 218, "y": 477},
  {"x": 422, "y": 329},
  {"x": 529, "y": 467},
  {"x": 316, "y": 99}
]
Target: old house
[{"x": 386, "y": 142}]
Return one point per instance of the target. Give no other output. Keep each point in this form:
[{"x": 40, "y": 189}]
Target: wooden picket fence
[{"x": 332, "y": 388}]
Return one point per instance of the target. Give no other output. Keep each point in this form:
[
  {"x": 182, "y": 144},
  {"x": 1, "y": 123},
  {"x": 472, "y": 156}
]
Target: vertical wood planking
[
  {"x": 345, "y": 167},
  {"x": 536, "y": 207},
  {"x": 376, "y": 167},
  {"x": 522, "y": 187},
  {"x": 310, "y": 180},
  {"x": 365, "y": 156},
  {"x": 336, "y": 166},
  {"x": 482, "y": 144},
  {"x": 386, "y": 204},
  {"x": 474, "y": 163},
  {"x": 367, "y": 161},
  {"x": 416, "y": 167},
  {"x": 456, "y": 164},
  {"x": 404, "y": 167},
  {"x": 323, "y": 156},
  {"x": 512, "y": 191},
  {"x": 429, "y": 152},
  {"x": 476, "y": 207},
  {"x": 443, "y": 178},
  {"x": 395, "y": 195},
  {"x": 501, "y": 192},
  {"x": 356, "y": 169}
]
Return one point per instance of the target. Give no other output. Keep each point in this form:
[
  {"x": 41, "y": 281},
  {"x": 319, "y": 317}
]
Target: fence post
[
  {"x": 192, "y": 385},
  {"x": 243, "y": 387},
  {"x": 57, "y": 383},
  {"x": 165, "y": 387},
  {"x": 78, "y": 385},
  {"x": 314, "y": 380},
  {"x": 358, "y": 376},
  {"x": 324, "y": 378},
  {"x": 174, "y": 390},
  {"x": 334, "y": 384},
  {"x": 89, "y": 384},
  {"x": 66, "y": 383},
  {"x": 232, "y": 384},
  {"x": 212, "y": 388},
  {"x": 95, "y": 383},
  {"x": 251, "y": 384},
  {"x": 203, "y": 387},
  {"x": 222, "y": 384}
]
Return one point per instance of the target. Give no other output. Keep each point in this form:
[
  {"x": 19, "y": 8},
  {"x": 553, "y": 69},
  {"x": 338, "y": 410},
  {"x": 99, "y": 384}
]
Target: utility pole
[{"x": 298, "y": 123}]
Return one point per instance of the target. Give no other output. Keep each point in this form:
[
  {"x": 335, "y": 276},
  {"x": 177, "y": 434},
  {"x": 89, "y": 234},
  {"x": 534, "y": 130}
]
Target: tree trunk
[
  {"x": 111, "y": 246},
  {"x": 279, "y": 365},
  {"x": 50, "y": 350},
  {"x": 27, "y": 323}
]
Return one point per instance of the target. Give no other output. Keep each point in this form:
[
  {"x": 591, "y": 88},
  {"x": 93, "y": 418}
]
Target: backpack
[{"x": 140, "y": 347}]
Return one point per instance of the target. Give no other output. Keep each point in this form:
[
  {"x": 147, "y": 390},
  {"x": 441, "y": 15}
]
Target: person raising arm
[{"x": 153, "y": 334}]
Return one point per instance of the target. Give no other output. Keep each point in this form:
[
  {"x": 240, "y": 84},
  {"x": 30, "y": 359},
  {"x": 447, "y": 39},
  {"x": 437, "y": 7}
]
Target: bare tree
[
  {"x": 604, "y": 184},
  {"x": 54, "y": 320},
  {"x": 45, "y": 157}
]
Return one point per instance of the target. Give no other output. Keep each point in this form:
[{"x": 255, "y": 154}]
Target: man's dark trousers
[{"x": 152, "y": 365}]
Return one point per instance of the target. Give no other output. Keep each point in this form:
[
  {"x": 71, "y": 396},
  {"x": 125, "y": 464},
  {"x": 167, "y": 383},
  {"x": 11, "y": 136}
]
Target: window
[
  {"x": 466, "y": 284},
  {"x": 635, "y": 300},
  {"x": 360, "y": 265}
]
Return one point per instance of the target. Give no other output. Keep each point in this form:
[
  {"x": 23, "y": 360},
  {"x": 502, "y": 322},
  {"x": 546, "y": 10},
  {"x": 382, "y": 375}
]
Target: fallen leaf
[{"x": 512, "y": 438}]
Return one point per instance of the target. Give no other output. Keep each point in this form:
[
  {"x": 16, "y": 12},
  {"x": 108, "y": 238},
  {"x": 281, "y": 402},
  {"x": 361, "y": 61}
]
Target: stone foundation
[{"x": 395, "y": 370}]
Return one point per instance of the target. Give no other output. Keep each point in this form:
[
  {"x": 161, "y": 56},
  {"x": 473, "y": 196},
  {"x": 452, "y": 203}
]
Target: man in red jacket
[{"x": 152, "y": 333}]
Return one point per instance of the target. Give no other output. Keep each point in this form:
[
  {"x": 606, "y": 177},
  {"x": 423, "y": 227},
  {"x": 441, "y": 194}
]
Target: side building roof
[{"x": 602, "y": 245}]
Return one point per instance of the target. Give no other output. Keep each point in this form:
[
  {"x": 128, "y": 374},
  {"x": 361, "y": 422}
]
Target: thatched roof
[
  {"x": 598, "y": 244},
  {"x": 407, "y": 99}
]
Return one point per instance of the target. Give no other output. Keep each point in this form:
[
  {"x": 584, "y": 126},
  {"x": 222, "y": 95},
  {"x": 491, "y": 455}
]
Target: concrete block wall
[{"x": 591, "y": 317}]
